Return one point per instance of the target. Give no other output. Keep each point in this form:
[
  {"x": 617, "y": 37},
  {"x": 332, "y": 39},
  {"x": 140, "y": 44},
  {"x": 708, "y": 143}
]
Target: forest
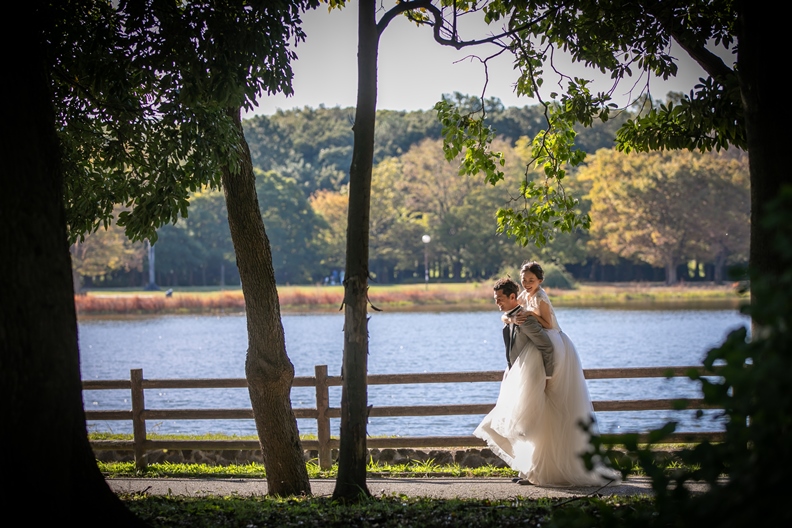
[{"x": 664, "y": 216}]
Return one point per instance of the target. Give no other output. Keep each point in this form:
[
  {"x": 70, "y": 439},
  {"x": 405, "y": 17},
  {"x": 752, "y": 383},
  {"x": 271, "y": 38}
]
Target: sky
[{"x": 413, "y": 70}]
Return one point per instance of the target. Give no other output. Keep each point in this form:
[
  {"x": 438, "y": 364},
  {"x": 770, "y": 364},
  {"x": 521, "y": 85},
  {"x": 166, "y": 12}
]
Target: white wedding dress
[{"x": 534, "y": 424}]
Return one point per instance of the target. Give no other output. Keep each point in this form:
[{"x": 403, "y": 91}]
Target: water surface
[{"x": 215, "y": 347}]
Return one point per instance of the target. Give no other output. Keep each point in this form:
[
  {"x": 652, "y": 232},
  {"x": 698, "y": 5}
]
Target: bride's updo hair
[{"x": 534, "y": 267}]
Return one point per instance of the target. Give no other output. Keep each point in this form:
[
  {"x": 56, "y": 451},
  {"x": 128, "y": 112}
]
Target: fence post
[
  {"x": 138, "y": 423},
  {"x": 322, "y": 419}
]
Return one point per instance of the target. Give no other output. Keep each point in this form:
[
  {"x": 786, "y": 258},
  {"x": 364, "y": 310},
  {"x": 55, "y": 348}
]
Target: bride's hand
[{"x": 521, "y": 317}]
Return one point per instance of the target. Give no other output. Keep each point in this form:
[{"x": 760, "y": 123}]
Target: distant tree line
[{"x": 663, "y": 216}]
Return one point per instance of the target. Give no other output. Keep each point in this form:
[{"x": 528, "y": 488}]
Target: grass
[
  {"x": 256, "y": 470},
  {"x": 377, "y": 511},
  {"x": 413, "y": 469},
  {"x": 381, "y": 511},
  {"x": 411, "y": 297}
]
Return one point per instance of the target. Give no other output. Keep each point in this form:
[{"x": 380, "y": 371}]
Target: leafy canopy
[
  {"x": 630, "y": 41},
  {"x": 748, "y": 376},
  {"x": 141, "y": 89}
]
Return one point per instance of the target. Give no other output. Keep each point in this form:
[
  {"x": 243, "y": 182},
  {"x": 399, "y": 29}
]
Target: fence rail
[{"x": 323, "y": 412}]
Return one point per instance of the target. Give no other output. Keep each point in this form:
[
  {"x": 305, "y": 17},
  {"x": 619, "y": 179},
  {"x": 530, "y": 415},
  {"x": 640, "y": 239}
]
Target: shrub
[
  {"x": 754, "y": 391},
  {"x": 557, "y": 276}
]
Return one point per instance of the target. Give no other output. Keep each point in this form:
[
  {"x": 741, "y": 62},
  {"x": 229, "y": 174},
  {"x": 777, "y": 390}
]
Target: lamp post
[{"x": 426, "y": 239}]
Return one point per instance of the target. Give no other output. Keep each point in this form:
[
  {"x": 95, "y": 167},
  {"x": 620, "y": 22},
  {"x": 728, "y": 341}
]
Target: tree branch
[
  {"x": 711, "y": 63},
  {"x": 440, "y": 23},
  {"x": 399, "y": 9}
]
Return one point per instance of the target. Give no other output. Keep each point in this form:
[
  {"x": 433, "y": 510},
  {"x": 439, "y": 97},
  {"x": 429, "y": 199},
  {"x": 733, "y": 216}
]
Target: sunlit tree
[
  {"x": 103, "y": 253},
  {"x": 667, "y": 208}
]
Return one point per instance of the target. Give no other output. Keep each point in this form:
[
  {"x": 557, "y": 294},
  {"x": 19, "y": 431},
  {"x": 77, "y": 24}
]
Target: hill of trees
[{"x": 655, "y": 217}]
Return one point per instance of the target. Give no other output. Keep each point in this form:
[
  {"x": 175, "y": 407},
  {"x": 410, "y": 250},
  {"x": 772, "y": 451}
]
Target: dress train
[{"x": 534, "y": 426}]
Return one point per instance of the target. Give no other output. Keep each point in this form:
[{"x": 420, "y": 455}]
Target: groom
[{"x": 515, "y": 337}]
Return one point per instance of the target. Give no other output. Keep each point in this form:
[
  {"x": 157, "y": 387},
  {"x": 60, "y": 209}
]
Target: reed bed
[
  {"x": 291, "y": 299},
  {"x": 158, "y": 303},
  {"x": 458, "y": 296}
]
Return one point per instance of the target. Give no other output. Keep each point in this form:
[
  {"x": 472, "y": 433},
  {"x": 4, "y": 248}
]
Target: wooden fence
[{"x": 323, "y": 412}]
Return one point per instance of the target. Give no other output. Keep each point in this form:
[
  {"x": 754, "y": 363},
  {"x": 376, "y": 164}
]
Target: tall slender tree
[
  {"x": 351, "y": 481},
  {"x": 267, "y": 366},
  {"x": 732, "y": 106}
]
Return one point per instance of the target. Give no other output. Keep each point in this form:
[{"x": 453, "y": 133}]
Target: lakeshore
[{"x": 405, "y": 297}]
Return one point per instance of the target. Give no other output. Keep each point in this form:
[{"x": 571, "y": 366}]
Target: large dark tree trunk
[
  {"x": 40, "y": 384},
  {"x": 351, "y": 481},
  {"x": 268, "y": 369},
  {"x": 762, "y": 37}
]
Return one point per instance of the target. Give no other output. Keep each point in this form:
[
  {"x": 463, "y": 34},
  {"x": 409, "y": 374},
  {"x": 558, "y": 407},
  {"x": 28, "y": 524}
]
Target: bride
[{"x": 534, "y": 426}]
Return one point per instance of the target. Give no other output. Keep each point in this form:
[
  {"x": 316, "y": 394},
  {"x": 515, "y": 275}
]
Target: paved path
[{"x": 440, "y": 487}]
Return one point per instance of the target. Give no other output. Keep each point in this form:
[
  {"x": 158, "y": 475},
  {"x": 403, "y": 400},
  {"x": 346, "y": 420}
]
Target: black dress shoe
[
  {"x": 516, "y": 479},
  {"x": 524, "y": 482}
]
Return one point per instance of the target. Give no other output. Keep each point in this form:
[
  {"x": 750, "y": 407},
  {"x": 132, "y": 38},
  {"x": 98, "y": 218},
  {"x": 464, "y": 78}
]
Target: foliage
[
  {"x": 178, "y": 254},
  {"x": 752, "y": 379},
  {"x": 423, "y": 194},
  {"x": 290, "y": 223},
  {"x": 633, "y": 36},
  {"x": 208, "y": 225},
  {"x": 556, "y": 276},
  {"x": 420, "y": 193},
  {"x": 331, "y": 207},
  {"x": 396, "y": 225},
  {"x": 104, "y": 253},
  {"x": 324, "y": 512},
  {"x": 663, "y": 208},
  {"x": 313, "y": 145},
  {"x": 546, "y": 205},
  {"x": 140, "y": 89}
]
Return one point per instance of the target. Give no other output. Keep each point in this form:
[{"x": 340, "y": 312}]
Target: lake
[{"x": 215, "y": 347}]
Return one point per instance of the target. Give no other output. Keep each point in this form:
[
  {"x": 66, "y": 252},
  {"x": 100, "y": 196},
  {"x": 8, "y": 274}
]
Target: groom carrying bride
[
  {"x": 529, "y": 356},
  {"x": 535, "y": 424},
  {"x": 516, "y": 336}
]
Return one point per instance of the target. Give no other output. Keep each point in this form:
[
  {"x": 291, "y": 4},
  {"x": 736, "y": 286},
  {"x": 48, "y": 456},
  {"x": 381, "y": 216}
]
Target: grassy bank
[
  {"x": 456, "y": 296},
  {"x": 413, "y": 469},
  {"x": 667, "y": 457}
]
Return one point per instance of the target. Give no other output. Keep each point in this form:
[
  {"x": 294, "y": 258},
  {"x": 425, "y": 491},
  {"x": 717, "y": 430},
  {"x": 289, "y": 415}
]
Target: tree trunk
[
  {"x": 351, "y": 481},
  {"x": 720, "y": 266},
  {"x": 670, "y": 273},
  {"x": 40, "y": 384},
  {"x": 762, "y": 33},
  {"x": 268, "y": 369}
]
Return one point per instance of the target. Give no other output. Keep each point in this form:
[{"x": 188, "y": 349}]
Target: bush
[
  {"x": 558, "y": 277},
  {"x": 754, "y": 391}
]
